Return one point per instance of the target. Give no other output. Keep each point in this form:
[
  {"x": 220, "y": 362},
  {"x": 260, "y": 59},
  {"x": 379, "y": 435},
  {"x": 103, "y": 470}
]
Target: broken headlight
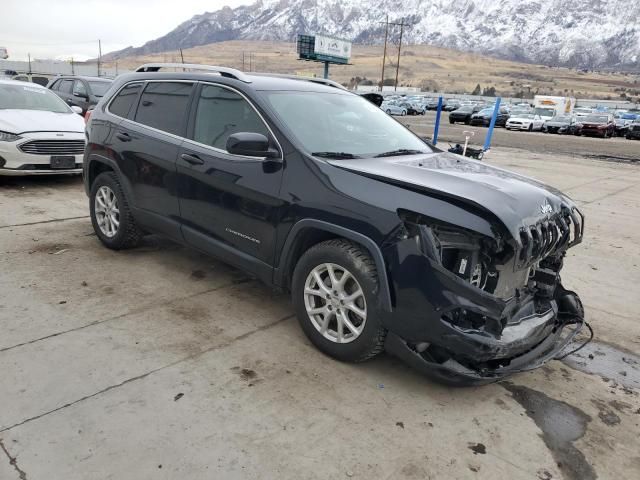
[{"x": 469, "y": 255}]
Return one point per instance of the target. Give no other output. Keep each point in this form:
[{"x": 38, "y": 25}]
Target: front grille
[
  {"x": 53, "y": 147},
  {"x": 550, "y": 236}
]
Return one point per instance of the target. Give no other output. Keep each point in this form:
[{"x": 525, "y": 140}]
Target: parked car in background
[
  {"x": 483, "y": 117},
  {"x": 393, "y": 109},
  {"x": 563, "y": 124},
  {"x": 83, "y": 92},
  {"x": 598, "y": 125},
  {"x": 463, "y": 114},
  {"x": 432, "y": 103},
  {"x": 39, "y": 133},
  {"x": 382, "y": 242},
  {"x": 633, "y": 132},
  {"x": 451, "y": 105},
  {"x": 582, "y": 111},
  {"x": 27, "y": 77},
  {"x": 623, "y": 120},
  {"x": 413, "y": 108},
  {"x": 525, "y": 121},
  {"x": 4, "y": 54}
]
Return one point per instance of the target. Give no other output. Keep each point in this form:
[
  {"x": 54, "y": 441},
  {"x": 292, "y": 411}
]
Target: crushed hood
[
  {"x": 23, "y": 121},
  {"x": 517, "y": 201}
]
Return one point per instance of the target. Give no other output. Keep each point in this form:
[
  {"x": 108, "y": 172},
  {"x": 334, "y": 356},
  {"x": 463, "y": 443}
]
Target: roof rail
[
  {"x": 322, "y": 81},
  {"x": 223, "y": 71}
]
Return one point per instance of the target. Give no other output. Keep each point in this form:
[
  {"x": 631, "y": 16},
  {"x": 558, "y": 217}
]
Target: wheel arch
[
  {"x": 97, "y": 164},
  {"x": 308, "y": 232}
]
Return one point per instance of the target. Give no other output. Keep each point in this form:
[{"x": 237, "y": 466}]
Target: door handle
[
  {"x": 125, "y": 137},
  {"x": 192, "y": 159}
]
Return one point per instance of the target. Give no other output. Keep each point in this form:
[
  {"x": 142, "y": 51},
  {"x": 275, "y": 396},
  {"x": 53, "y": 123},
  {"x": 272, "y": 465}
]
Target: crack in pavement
[
  {"x": 151, "y": 372},
  {"x": 610, "y": 194},
  {"x": 13, "y": 461},
  {"x": 130, "y": 312},
  {"x": 43, "y": 221}
]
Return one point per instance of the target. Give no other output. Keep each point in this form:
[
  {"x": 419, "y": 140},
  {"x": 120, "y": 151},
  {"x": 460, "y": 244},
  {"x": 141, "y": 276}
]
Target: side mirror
[
  {"x": 250, "y": 144},
  {"x": 76, "y": 109}
]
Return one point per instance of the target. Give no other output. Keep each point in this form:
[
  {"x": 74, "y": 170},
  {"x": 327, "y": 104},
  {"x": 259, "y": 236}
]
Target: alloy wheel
[
  {"x": 335, "y": 303},
  {"x": 107, "y": 212}
]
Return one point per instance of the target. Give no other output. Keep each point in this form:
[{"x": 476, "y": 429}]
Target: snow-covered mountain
[{"x": 576, "y": 33}]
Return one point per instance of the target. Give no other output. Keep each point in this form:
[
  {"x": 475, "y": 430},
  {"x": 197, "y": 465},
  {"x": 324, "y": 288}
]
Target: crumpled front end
[{"x": 472, "y": 309}]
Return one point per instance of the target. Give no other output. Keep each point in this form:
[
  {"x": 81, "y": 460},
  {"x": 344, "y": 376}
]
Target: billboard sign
[{"x": 332, "y": 47}]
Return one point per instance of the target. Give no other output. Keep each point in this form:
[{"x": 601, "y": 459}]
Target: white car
[
  {"x": 39, "y": 133},
  {"x": 525, "y": 121}
]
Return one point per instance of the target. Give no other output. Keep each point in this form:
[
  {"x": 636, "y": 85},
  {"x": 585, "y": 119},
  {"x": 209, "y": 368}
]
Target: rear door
[
  {"x": 229, "y": 203},
  {"x": 148, "y": 142}
]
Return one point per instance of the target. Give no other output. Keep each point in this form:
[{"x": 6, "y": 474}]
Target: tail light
[{"x": 87, "y": 116}]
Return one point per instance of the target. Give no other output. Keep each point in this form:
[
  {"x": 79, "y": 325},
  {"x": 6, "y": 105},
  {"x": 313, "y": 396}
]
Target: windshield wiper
[
  {"x": 336, "y": 155},
  {"x": 400, "y": 151}
]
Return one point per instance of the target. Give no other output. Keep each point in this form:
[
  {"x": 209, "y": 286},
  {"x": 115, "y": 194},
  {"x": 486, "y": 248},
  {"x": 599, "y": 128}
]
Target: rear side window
[
  {"x": 78, "y": 87},
  {"x": 222, "y": 112},
  {"x": 124, "y": 100},
  {"x": 66, "y": 86},
  {"x": 163, "y": 105}
]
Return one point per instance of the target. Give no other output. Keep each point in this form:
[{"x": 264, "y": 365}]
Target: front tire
[
  {"x": 334, "y": 292},
  {"x": 110, "y": 214}
]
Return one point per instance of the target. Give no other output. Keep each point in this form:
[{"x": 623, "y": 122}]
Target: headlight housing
[
  {"x": 9, "y": 137},
  {"x": 469, "y": 255}
]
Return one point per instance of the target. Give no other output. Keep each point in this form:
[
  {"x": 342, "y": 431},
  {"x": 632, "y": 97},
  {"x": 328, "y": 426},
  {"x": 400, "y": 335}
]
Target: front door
[{"x": 229, "y": 203}]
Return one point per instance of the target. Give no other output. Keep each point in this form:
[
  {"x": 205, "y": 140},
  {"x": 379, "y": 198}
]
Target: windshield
[
  {"x": 545, "y": 112},
  {"x": 596, "y": 119},
  {"x": 562, "y": 118},
  {"x": 525, "y": 115},
  {"x": 345, "y": 124},
  {"x": 25, "y": 97},
  {"x": 99, "y": 88},
  {"x": 465, "y": 109}
]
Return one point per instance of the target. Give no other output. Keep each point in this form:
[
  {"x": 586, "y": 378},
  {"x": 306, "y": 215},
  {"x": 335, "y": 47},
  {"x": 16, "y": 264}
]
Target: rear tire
[
  {"x": 112, "y": 220},
  {"x": 348, "y": 258}
]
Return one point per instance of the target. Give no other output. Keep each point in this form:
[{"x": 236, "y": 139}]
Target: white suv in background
[{"x": 39, "y": 133}]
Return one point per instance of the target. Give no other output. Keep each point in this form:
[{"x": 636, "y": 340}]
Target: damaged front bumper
[
  {"x": 546, "y": 337},
  {"x": 459, "y": 334}
]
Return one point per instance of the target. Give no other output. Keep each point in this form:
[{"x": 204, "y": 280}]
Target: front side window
[
  {"x": 99, "y": 88},
  {"x": 342, "y": 123},
  {"x": 163, "y": 105},
  {"x": 124, "y": 100},
  {"x": 222, "y": 112}
]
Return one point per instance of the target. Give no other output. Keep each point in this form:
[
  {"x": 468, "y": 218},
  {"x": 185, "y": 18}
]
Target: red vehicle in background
[{"x": 597, "y": 125}]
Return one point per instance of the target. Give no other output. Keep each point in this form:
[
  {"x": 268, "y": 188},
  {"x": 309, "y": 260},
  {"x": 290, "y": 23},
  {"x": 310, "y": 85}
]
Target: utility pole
[
  {"x": 72, "y": 70},
  {"x": 384, "y": 56},
  {"x": 99, "y": 55},
  {"x": 384, "y": 53},
  {"x": 116, "y": 67},
  {"x": 181, "y": 56},
  {"x": 243, "y": 61},
  {"x": 402, "y": 25},
  {"x": 29, "y": 63}
]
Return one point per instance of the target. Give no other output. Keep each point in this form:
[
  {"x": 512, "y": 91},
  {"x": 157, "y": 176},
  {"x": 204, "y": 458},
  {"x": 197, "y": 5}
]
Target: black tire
[
  {"x": 357, "y": 261},
  {"x": 128, "y": 234},
  {"x": 531, "y": 128},
  {"x": 451, "y": 121}
]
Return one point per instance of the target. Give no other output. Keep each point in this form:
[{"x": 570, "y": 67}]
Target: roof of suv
[
  {"x": 253, "y": 80},
  {"x": 84, "y": 77}
]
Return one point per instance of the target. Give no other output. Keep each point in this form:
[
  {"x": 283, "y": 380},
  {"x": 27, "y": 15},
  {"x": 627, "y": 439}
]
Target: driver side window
[{"x": 222, "y": 112}]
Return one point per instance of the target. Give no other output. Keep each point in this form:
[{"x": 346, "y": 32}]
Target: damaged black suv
[{"x": 383, "y": 241}]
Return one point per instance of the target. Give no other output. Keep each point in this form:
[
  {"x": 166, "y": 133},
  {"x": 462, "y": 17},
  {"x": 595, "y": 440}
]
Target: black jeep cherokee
[{"x": 384, "y": 242}]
